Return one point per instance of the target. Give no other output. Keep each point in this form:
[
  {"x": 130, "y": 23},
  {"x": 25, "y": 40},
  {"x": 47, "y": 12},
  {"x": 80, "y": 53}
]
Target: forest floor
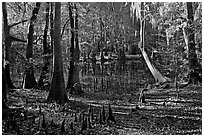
[{"x": 180, "y": 114}]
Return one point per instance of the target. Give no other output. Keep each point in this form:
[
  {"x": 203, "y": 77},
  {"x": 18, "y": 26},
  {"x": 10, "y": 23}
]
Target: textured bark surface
[
  {"x": 4, "y": 90},
  {"x": 156, "y": 74},
  {"x": 43, "y": 81},
  {"x": 51, "y": 26},
  {"x": 8, "y": 43},
  {"x": 29, "y": 80},
  {"x": 77, "y": 51},
  {"x": 194, "y": 66},
  {"x": 73, "y": 80},
  {"x": 191, "y": 40},
  {"x": 57, "y": 90}
]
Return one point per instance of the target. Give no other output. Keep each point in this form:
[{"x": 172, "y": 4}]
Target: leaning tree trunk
[
  {"x": 29, "y": 78},
  {"x": 8, "y": 42},
  {"x": 156, "y": 74},
  {"x": 57, "y": 90},
  {"x": 194, "y": 66},
  {"x": 43, "y": 81},
  {"x": 73, "y": 80}
]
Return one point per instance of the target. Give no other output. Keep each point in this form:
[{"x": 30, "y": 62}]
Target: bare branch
[
  {"x": 64, "y": 27},
  {"x": 20, "y": 55},
  {"x": 17, "y": 39},
  {"x": 14, "y": 24}
]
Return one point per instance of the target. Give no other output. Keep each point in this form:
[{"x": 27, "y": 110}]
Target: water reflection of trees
[{"x": 116, "y": 76}]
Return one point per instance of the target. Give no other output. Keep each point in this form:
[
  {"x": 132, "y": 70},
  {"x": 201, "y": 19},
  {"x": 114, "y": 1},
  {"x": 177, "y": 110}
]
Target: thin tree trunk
[
  {"x": 51, "y": 34},
  {"x": 189, "y": 37},
  {"x": 156, "y": 74},
  {"x": 185, "y": 37},
  {"x": 57, "y": 90},
  {"x": 194, "y": 66},
  {"x": 73, "y": 80},
  {"x": 29, "y": 80},
  {"x": 4, "y": 89},
  {"x": 51, "y": 26},
  {"x": 193, "y": 62},
  {"x": 76, "y": 34},
  {"x": 43, "y": 81},
  {"x": 8, "y": 43},
  {"x": 71, "y": 70},
  {"x": 101, "y": 33}
]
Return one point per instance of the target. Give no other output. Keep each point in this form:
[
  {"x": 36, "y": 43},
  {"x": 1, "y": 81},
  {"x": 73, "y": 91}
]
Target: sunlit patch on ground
[{"x": 181, "y": 115}]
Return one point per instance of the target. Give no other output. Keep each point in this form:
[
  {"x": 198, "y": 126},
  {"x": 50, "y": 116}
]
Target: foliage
[{"x": 110, "y": 29}]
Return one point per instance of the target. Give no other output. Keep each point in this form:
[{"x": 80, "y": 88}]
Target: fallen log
[{"x": 133, "y": 57}]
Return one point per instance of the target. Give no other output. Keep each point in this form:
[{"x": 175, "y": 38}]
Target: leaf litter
[{"x": 32, "y": 115}]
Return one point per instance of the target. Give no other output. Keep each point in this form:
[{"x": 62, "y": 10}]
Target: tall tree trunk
[
  {"x": 185, "y": 37},
  {"x": 156, "y": 74},
  {"x": 194, "y": 66},
  {"x": 51, "y": 26},
  {"x": 51, "y": 34},
  {"x": 73, "y": 80},
  {"x": 4, "y": 89},
  {"x": 29, "y": 80},
  {"x": 57, "y": 90},
  {"x": 70, "y": 78},
  {"x": 43, "y": 81},
  {"x": 77, "y": 51},
  {"x": 191, "y": 40},
  {"x": 8, "y": 42}
]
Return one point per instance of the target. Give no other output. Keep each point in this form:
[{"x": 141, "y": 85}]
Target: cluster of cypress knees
[{"x": 86, "y": 120}]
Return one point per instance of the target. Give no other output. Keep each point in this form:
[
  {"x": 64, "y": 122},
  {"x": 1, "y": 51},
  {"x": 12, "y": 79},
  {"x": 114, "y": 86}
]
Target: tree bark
[
  {"x": 51, "y": 33},
  {"x": 194, "y": 66},
  {"x": 72, "y": 30},
  {"x": 71, "y": 70},
  {"x": 57, "y": 90},
  {"x": 43, "y": 81},
  {"x": 191, "y": 40},
  {"x": 51, "y": 26},
  {"x": 4, "y": 89},
  {"x": 73, "y": 80},
  {"x": 77, "y": 51},
  {"x": 8, "y": 43},
  {"x": 29, "y": 79},
  {"x": 156, "y": 74}
]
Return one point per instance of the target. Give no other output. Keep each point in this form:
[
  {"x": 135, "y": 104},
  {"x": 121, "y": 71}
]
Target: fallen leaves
[{"x": 86, "y": 114}]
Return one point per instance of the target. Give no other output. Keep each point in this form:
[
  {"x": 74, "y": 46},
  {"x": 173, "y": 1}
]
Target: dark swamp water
[
  {"x": 115, "y": 76},
  {"x": 100, "y": 76},
  {"x": 115, "y": 83}
]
